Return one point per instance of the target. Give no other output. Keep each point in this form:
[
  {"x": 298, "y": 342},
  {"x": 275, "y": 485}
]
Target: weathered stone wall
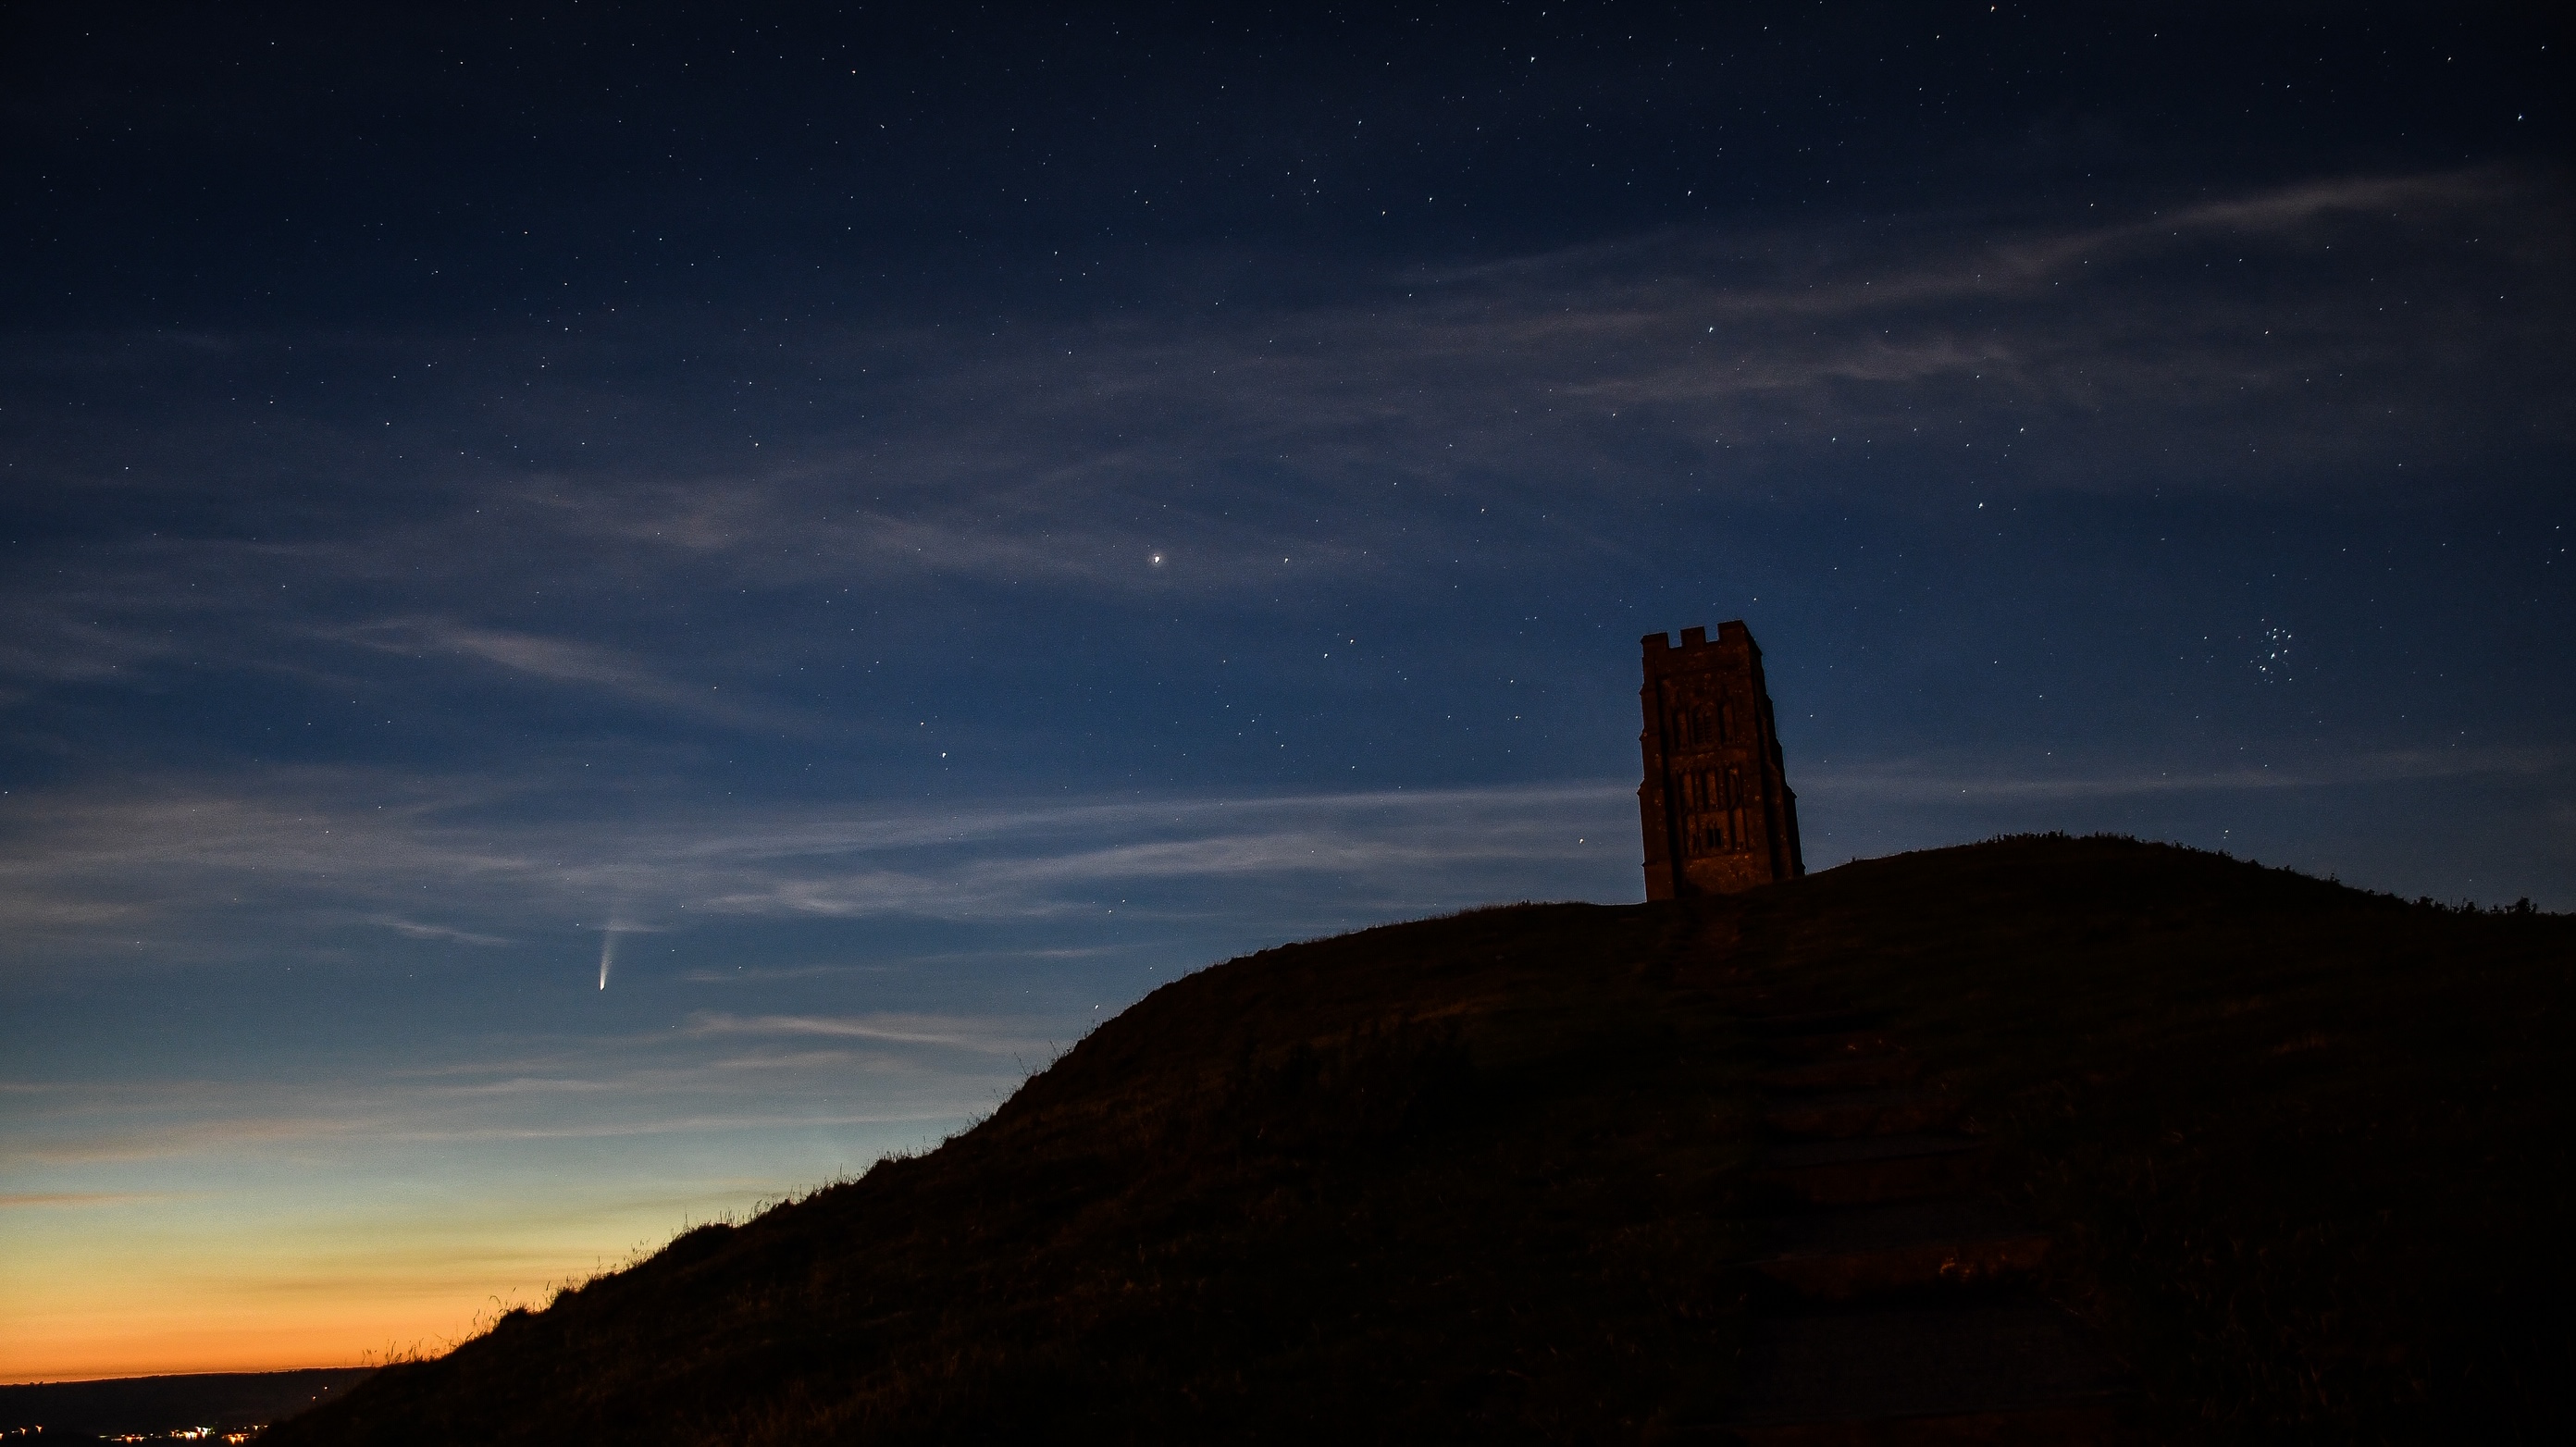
[{"x": 1715, "y": 806}]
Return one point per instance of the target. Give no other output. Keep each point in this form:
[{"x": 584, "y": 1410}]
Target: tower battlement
[{"x": 1715, "y": 806}]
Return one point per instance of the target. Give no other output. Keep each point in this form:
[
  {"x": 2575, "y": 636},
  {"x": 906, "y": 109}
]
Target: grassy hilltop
[{"x": 1484, "y": 1177}]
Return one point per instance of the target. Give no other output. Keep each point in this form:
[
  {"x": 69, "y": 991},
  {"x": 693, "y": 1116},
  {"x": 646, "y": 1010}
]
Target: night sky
[{"x": 614, "y": 610}]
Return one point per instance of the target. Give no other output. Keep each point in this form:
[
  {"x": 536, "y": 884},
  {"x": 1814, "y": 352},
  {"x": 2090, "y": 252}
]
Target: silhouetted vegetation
[{"x": 1480, "y": 1177}]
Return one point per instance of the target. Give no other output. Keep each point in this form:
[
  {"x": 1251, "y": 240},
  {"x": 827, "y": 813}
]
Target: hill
[
  {"x": 1490, "y": 1176},
  {"x": 156, "y": 1406}
]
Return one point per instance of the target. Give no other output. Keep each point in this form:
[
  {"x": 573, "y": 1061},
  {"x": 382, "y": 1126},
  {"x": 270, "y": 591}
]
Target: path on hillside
[{"x": 1897, "y": 1299}]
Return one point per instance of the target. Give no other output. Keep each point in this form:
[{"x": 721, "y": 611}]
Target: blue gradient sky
[{"x": 900, "y": 531}]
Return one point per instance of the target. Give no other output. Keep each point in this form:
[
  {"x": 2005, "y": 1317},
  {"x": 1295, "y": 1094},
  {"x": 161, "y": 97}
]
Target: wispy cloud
[
  {"x": 714, "y": 1073},
  {"x": 1952, "y": 781},
  {"x": 771, "y": 974},
  {"x": 416, "y": 930},
  {"x": 981, "y": 1034},
  {"x": 531, "y": 1085},
  {"x": 568, "y": 662},
  {"x": 1595, "y": 382},
  {"x": 323, "y": 847},
  {"x": 111, "y": 868},
  {"x": 164, "y": 1139}
]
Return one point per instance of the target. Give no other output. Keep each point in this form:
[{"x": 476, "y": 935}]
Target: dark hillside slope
[
  {"x": 2312, "y": 1146},
  {"x": 1465, "y": 1171},
  {"x": 1485, "y": 1176}
]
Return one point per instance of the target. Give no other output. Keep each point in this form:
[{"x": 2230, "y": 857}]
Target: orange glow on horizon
[{"x": 167, "y": 1288}]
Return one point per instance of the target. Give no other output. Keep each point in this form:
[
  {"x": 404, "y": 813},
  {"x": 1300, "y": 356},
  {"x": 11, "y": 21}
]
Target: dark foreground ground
[{"x": 2304, "y": 1152}]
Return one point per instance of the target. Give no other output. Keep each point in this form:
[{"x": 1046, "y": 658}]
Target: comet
[{"x": 607, "y": 953}]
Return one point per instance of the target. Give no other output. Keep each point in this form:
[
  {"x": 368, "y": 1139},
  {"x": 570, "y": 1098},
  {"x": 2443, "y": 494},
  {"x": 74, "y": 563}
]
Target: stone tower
[{"x": 1716, "y": 806}]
